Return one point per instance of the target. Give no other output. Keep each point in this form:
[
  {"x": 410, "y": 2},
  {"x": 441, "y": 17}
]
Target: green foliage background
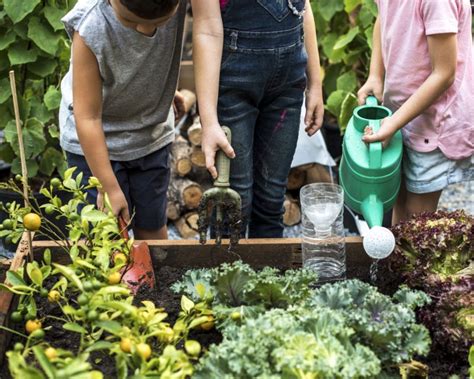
[
  {"x": 345, "y": 30},
  {"x": 34, "y": 44}
]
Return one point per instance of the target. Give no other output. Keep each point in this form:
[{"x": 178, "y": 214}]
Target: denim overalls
[{"x": 262, "y": 82}]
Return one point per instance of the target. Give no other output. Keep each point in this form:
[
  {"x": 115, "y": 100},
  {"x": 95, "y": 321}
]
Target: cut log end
[{"x": 187, "y": 225}]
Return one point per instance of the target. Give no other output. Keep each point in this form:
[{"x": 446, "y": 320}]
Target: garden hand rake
[{"x": 223, "y": 199}]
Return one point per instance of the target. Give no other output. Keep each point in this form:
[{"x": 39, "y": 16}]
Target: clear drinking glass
[{"x": 323, "y": 230}]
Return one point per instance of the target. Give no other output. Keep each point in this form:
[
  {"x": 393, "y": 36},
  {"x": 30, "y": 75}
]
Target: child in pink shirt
[{"x": 422, "y": 68}]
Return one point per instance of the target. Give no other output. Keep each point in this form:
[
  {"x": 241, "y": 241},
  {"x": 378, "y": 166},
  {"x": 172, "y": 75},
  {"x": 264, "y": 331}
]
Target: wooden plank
[
  {"x": 7, "y": 298},
  {"x": 284, "y": 252}
]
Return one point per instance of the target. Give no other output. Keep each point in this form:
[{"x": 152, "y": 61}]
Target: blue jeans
[{"x": 261, "y": 91}]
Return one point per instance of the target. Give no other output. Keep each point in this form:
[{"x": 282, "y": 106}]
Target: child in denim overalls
[{"x": 253, "y": 61}]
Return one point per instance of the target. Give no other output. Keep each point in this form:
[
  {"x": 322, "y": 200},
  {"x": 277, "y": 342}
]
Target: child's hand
[
  {"x": 179, "y": 106},
  {"x": 373, "y": 86},
  {"x": 214, "y": 139},
  {"x": 384, "y": 134},
  {"x": 118, "y": 202},
  {"x": 314, "y": 110}
]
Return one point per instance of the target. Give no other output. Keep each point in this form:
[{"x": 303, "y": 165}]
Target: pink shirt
[{"x": 405, "y": 24}]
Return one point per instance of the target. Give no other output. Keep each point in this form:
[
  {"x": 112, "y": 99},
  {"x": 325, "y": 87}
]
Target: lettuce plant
[
  {"x": 450, "y": 317},
  {"x": 433, "y": 244}
]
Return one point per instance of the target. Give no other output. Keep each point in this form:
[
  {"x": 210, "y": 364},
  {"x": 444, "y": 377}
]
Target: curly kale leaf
[{"x": 388, "y": 326}]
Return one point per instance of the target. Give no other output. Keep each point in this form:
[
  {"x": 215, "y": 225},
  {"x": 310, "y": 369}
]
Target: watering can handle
[
  {"x": 375, "y": 148},
  {"x": 223, "y": 163},
  {"x": 371, "y": 101}
]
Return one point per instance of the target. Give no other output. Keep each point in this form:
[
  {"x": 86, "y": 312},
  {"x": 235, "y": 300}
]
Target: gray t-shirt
[{"x": 139, "y": 77}]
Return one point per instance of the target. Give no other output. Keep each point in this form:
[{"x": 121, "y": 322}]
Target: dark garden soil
[{"x": 441, "y": 366}]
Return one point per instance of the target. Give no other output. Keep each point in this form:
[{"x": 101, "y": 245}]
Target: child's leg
[
  {"x": 148, "y": 179},
  {"x": 276, "y": 136},
  {"x": 425, "y": 177},
  {"x": 409, "y": 203}
]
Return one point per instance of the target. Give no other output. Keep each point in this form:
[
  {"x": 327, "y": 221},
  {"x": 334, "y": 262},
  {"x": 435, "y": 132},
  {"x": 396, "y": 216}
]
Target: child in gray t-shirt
[{"x": 116, "y": 115}]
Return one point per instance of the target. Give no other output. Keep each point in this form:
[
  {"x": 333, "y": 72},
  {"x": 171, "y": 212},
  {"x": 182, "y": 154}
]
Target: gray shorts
[
  {"x": 433, "y": 171},
  {"x": 144, "y": 182}
]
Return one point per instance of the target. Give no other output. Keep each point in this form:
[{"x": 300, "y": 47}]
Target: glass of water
[{"x": 323, "y": 242}]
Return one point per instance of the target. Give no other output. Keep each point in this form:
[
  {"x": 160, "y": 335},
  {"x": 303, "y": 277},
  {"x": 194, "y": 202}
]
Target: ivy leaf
[
  {"x": 347, "y": 38},
  {"x": 54, "y": 16},
  {"x": 347, "y": 107},
  {"x": 19, "y": 53},
  {"x": 369, "y": 34},
  {"x": 347, "y": 82},
  {"x": 31, "y": 166},
  {"x": 43, "y": 36},
  {"x": 53, "y": 131},
  {"x": 52, "y": 98},
  {"x": 328, "y": 42},
  {"x": 33, "y": 137},
  {"x": 334, "y": 102},
  {"x": 350, "y": 5},
  {"x": 328, "y": 8},
  {"x": 4, "y": 61},
  {"x": 6, "y": 153},
  {"x": 43, "y": 66},
  {"x": 39, "y": 111},
  {"x": 371, "y": 6},
  {"x": 51, "y": 159},
  {"x": 6, "y": 39},
  {"x": 18, "y": 10},
  {"x": 5, "y": 90}
]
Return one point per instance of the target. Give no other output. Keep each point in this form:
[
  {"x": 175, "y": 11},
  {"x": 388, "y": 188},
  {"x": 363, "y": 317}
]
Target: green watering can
[{"x": 369, "y": 174}]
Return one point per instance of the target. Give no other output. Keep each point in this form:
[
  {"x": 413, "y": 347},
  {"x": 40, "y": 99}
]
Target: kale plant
[
  {"x": 386, "y": 325},
  {"x": 293, "y": 343}
]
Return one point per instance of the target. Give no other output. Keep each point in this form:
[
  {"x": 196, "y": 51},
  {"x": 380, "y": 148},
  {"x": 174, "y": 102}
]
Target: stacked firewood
[{"x": 190, "y": 178}]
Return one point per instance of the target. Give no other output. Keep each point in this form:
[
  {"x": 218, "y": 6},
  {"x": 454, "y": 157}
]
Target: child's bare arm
[
  {"x": 443, "y": 54},
  {"x": 208, "y": 34},
  {"x": 87, "y": 95},
  {"x": 314, "y": 96},
  {"x": 374, "y": 83}
]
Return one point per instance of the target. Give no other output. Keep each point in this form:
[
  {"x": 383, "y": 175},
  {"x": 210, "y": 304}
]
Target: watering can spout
[{"x": 372, "y": 210}]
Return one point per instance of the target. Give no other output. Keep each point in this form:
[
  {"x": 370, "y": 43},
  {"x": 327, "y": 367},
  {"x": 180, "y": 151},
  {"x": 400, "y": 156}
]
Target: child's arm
[
  {"x": 443, "y": 54},
  {"x": 374, "y": 83},
  {"x": 208, "y": 35},
  {"x": 314, "y": 95},
  {"x": 87, "y": 95}
]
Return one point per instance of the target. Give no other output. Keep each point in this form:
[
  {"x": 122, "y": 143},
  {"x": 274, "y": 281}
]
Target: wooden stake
[{"x": 24, "y": 168}]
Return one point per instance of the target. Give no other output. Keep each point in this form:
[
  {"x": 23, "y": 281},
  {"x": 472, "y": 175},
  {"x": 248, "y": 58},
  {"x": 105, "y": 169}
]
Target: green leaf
[
  {"x": 18, "y": 10},
  {"x": 34, "y": 140},
  {"x": 31, "y": 165},
  {"x": 21, "y": 53},
  {"x": 6, "y": 153},
  {"x": 328, "y": 8},
  {"x": 21, "y": 30},
  {"x": 52, "y": 98},
  {"x": 112, "y": 327},
  {"x": 53, "y": 131},
  {"x": 186, "y": 304},
  {"x": 47, "y": 256},
  {"x": 347, "y": 82},
  {"x": 328, "y": 42},
  {"x": 5, "y": 90},
  {"x": 39, "y": 111},
  {"x": 4, "y": 61},
  {"x": 347, "y": 107},
  {"x": 36, "y": 276},
  {"x": 334, "y": 102},
  {"x": 43, "y": 360},
  {"x": 43, "y": 36},
  {"x": 347, "y": 38},
  {"x": 43, "y": 66},
  {"x": 369, "y": 34},
  {"x": 99, "y": 345},
  {"x": 93, "y": 215},
  {"x": 7, "y": 38},
  {"x": 52, "y": 159},
  {"x": 371, "y": 6},
  {"x": 54, "y": 16},
  {"x": 73, "y": 327},
  {"x": 350, "y": 5},
  {"x": 15, "y": 278},
  {"x": 69, "y": 274}
]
